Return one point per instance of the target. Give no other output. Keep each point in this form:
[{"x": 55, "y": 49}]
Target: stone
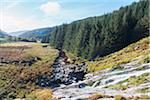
[{"x": 67, "y": 73}]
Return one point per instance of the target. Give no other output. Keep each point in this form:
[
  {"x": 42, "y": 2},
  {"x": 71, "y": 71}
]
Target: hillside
[
  {"x": 123, "y": 75},
  {"x": 27, "y": 73},
  {"x": 36, "y": 34},
  {"x": 99, "y": 36},
  {"x": 3, "y": 34},
  {"x": 41, "y": 34},
  {"x": 130, "y": 53},
  {"x": 22, "y": 66},
  {"x": 16, "y": 34},
  {"x": 104, "y": 57}
]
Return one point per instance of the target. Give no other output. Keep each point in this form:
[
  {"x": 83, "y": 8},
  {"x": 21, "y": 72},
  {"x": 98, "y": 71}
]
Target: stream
[{"x": 102, "y": 80}]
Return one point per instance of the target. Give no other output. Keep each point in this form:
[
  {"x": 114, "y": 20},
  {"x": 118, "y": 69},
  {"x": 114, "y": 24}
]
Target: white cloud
[
  {"x": 51, "y": 8},
  {"x": 10, "y": 23}
]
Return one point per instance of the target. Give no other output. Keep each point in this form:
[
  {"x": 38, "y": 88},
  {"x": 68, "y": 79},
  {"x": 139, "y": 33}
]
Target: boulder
[{"x": 67, "y": 73}]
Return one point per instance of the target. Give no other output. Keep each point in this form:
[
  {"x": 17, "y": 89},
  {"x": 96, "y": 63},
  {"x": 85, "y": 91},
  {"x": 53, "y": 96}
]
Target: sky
[{"x": 20, "y": 15}]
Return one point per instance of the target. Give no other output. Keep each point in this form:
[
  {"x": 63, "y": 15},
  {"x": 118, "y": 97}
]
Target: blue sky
[{"x": 17, "y": 15}]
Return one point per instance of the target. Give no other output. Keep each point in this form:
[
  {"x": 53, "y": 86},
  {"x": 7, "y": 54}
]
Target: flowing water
[{"x": 104, "y": 79}]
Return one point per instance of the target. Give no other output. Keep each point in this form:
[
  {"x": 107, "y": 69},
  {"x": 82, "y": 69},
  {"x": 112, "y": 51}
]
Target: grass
[
  {"x": 145, "y": 90},
  {"x": 132, "y": 82},
  {"x": 18, "y": 81},
  {"x": 96, "y": 96},
  {"x": 47, "y": 55},
  {"x": 119, "y": 97},
  {"x": 3, "y": 40},
  {"x": 21, "y": 51},
  {"x": 146, "y": 59},
  {"x": 129, "y": 53},
  {"x": 40, "y": 94}
]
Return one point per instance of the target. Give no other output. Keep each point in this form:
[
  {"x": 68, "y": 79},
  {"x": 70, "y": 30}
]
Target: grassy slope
[
  {"x": 133, "y": 82},
  {"x": 131, "y": 52},
  {"x": 12, "y": 76}
]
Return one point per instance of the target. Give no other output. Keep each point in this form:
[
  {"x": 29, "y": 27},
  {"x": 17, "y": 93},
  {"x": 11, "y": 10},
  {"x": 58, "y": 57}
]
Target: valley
[
  {"x": 53, "y": 53},
  {"x": 23, "y": 65},
  {"x": 128, "y": 80}
]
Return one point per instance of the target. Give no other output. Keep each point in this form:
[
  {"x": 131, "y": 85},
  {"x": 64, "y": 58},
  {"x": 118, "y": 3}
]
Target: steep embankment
[
  {"x": 100, "y": 36},
  {"x": 130, "y": 53},
  {"x": 126, "y": 79}
]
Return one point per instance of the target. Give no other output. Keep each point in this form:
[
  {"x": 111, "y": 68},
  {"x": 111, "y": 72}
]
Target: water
[{"x": 106, "y": 78}]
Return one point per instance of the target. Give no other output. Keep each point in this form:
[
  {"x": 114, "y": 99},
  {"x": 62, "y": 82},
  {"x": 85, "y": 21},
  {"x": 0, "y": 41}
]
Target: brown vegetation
[
  {"x": 17, "y": 80},
  {"x": 13, "y": 53}
]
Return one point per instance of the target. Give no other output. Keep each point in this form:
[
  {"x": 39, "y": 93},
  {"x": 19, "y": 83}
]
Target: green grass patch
[
  {"x": 132, "y": 52},
  {"x": 131, "y": 82},
  {"x": 18, "y": 81}
]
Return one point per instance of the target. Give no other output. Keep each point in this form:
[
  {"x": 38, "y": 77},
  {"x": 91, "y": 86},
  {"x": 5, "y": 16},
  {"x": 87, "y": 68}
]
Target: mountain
[
  {"x": 17, "y": 34},
  {"x": 37, "y": 34},
  {"x": 3, "y": 34},
  {"x": 99, "y": 36}
]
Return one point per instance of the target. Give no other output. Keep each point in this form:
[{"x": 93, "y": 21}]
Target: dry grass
[
  {"x": 21, "y": 51},
  {"x": 119, "y": 97},
  {"x": 131, "y": 52},
  {"x": 96, "y": 96},
  {"x": 19, "y": 80},
  {"x": 13, "y": 53},
  {"x": 25, "y": 50},
  {"x": 41, "y": 94}
]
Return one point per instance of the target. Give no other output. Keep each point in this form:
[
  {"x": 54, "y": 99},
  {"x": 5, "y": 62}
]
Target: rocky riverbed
[
  {"x": 102, "y": 81},
  {"x": 63, "y": 73},
  {"x": 66, "y": 74}
]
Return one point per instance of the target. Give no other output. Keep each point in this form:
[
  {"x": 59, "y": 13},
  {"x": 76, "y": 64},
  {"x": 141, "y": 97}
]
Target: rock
[
  {"x": 62, "y": 73},
  {"x": 109, "y": 81},
  {"x": 82, "y": 85},
  {"x": 66, "y": 73},
  {"x": 45, "y": 46},
  {"x": 62, "y": 63},
  {"x": 137, "y": 47}
]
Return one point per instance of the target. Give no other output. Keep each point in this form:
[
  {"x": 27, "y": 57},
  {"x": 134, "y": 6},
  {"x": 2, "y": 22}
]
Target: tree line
[{"x": 101, "y": 35}]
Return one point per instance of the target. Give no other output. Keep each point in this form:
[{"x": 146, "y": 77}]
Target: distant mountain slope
[
  {"x": 99, "y": 36},
  {"x": 37, "y": 34},
  {"x": 17, "y": 34},
  {"x": 3, "y": 34}
]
